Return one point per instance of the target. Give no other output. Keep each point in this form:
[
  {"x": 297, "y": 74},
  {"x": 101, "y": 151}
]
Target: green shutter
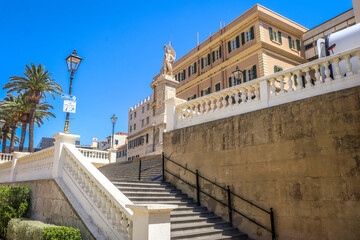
[
  {"x": 202, "y": 63},
  {"x": 298, "y": 44},
  {"x": 244, "y": 76},
  {"x": 209, "y": 90},
  {"x": 254, "y": 72},
  {"x": 208, "y": 58},
  {"x": 188, "y": 99},
  {"x": 179, "y": 77},
  {"x": 279, "y": 36},
  {"x": 213, "y": 55},
  {"x": 184, "y": 72},
  {"x": 194, "y": 96},
  {"x": 295, "y": 80},
  {"x": 252, "y": 32},
  {"x": 271, "y": 33},
  {"x": 189, "y": 71},
  {"x": 237, "y": 42},
  {"x": 275, "y": 69},
  {"x": 195, "y": 69},
  {"x": 220, "y": 51},
  {"x": 242, "y": 38},
  {"x": 230, "y": 82},
  {"x": 175, "y": 77},
  {"x": 202, "y": 93},
  {"x": 229, "y": 46},
  {"x": 217, "y": 87},
  {"x": 290, "y": 42}
]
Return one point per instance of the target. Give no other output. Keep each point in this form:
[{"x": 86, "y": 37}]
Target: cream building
[{"x": 120, "y": 139}]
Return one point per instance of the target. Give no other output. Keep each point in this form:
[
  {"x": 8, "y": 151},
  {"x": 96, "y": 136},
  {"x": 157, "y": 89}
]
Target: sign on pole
[{"x": 69, "y": 106}]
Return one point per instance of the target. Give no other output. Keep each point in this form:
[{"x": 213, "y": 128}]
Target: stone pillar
[
  {"x": 356, "y": 6},
  {"x": 60, "y": 140},
  {"x": 112, "y": 155},
  {"x": 16, "y": 156},
  {"x": 170, "y": 112},
  {"x": 151, "y": 221},
  {"x": 264, "y": 91}
]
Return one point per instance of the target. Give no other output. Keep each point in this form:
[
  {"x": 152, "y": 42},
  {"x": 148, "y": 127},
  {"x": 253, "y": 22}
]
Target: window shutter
[
  {"x": 279, "y": 36},
  {"x": 230, "y": 82},
  {"x": 242, "y": 38},
  {"x": 237, "y": 42},
  {"x": 202, "y": 63},
  {"x": 290, "y": 43},
  {"x": 244, "y": 76},
  {"x": 254, "y": 72},
  {"x": 209, "y": 90},
  {"x": 188, "y": 99},
  {"x": 184, "y": 72},
  {"x": 202, "y": 93},
  {"x": 295, "y": 80},
  {"x": 195, "y": 68},
  {"x": 208, "y": 58},
  {"x": 298, "y": 44},
  {"x": 194, "y": 96},
  {"x": 175, "y": 77},
  {"x": 213, "y": 55},
  {"x": 229, "y": 46},
  {"x": 271, "y": 33},
  {"x": 275, "y": 69},
  {"x": 189, "y": 71},
  {"x": 220, "y": 51},
  {"x": 252, "y": 32}
]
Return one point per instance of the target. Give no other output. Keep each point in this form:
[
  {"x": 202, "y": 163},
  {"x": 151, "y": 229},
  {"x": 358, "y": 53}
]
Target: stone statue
[{"x": 169, "y": 58}]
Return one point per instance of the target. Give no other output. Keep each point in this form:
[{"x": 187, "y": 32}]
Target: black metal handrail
[
  {"x": 143, "y": 170},
  {"x": 229, "y": 194}
]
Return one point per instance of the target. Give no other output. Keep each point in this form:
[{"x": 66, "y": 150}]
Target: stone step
[
  {"x": 154, "y": 194},
  {"x": 205, "y": 233},
  {"x": 144, "y": 189},
  {"x": 187, "y": 220},
  {"x": 199, "y": 225},
  {"x": 132, "y": 185},
  {"x": 177, "y": 215}
]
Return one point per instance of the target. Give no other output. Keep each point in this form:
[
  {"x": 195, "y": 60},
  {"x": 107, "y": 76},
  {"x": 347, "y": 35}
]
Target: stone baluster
[
  {"x": 250, "y": 94},
  {"x": 218, "y": 102},
  {"x": 224, "y": 100},
  {"x": 290, "y": 83},
  {"x": 348, "y": 65},
  {"x": 282, "y": 84},
  {"x": 243, "y": 95},
  {"x": 308, "y": 77},
  {"x": 317, "y": 75},
  {"x": 256, "y": 91},
  {"x": 299, "y": 80},
  {"x": 236, "y": 97},
  {"x": 212, "y": 105},
  {"x": 337, "y": 68},
  {"x": 202, "y": 102},
  {"x": 358, "y": 61},
  {"x": 273, "y": 87},
  {"x": 207, "y": 107},
  {"x": 327, "y": 72}
]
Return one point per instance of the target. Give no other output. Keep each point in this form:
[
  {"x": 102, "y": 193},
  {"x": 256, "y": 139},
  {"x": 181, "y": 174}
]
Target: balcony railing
[{"x": 5, "y": 157}]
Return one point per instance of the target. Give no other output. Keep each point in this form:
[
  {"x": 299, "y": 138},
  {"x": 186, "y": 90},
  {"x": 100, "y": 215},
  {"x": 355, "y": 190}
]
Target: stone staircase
[{"x": 188, "y": 221}]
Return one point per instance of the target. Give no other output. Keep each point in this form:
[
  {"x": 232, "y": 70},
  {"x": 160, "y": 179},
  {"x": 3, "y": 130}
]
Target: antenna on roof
[
  {"x": 197, "y": 38},
  {"x": 220, "y": 25},
  {"x": 224, "y": 24},
  {"x": 209, "y": 34}
]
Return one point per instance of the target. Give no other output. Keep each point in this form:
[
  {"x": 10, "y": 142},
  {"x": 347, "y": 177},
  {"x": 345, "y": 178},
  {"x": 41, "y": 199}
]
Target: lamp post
[
  {"x": 113, "y": 121},
  {"x": 237, "y": 75},
  {"x": 73, "y": 61},
  {"x": 2, "y": 124}
]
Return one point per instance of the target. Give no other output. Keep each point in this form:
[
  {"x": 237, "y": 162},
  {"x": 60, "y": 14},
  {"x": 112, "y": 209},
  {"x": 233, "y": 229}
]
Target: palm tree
[{"x": 35, "y": 85}]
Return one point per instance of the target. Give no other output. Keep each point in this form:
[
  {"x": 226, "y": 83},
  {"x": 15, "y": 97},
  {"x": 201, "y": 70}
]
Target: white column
[
  {"x": 264, "y": 91},
  {"x": 16, "y": 156},
  {"x": 170, "y": 112},
  {"x": 151, "y": 221},
  {"x": 112, "y": 155},
  {"x": 60, "y": 140}
]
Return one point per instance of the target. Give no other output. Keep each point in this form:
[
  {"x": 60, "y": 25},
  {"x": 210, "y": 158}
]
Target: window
[
  {"x": 216, "y": 54},
  {"x": 134, "y": 126},
  {"x": 277, "y": 69},
  {"x": 142, "y": 122},
  {"x": 294, "y": 44},
  {"x": 130, "y": 128},
  {"x": 250, "y": 74},
  {"x": 192, "y": 69},
  {"x": 247, "y": 36},
  {"x": 147, "y": 120},
  {"x": 191, "y": 98},
  {"x": 308, "y": 46},
  {"x": 275, "y": 35},
  {"x": 234, "y": 44},
  {"x": 143, "y": 109},
  {"x": 130, "y": 116},
  {"x": 206, "y": 91},
  {"x": 217, "y": 87},
  {"x": 183, "y": 76},
  {"x": 205, "y": 61},
  {"x": 116, "y": 142},
  {"x": 148, "y": 106},
  {"x": 134, "y": 116}
]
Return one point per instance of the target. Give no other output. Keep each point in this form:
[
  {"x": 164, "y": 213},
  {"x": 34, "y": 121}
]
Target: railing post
[
  {"x": 139, "y": 169},
  {"x": 197, "y": 188},
  {"x": 229, "y": 206},
  {"x": 273, "y": 236},
  {"x": 163, "y": 166}
]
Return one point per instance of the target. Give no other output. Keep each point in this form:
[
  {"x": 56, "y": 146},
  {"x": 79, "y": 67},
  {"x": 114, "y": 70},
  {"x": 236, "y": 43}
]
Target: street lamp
[
  {"x": 73, "y": 61},
  {"x": 113, "y": 121},
  {"x": 237, "y": 75}
]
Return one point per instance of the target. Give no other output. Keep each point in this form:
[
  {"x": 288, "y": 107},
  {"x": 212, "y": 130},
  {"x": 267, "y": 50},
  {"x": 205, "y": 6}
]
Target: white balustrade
[
  {"x": 5, "y": 157},
  {"x": 95, "y": 154},
  {"x": 312, "y": 79}
]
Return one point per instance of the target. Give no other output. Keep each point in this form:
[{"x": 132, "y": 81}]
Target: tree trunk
[
  {"x": 5, "y": 133},
  {"x": 31, "y": 127},
  {"x": 12, "y": 140},
  {"x": 23, "y": 136}
]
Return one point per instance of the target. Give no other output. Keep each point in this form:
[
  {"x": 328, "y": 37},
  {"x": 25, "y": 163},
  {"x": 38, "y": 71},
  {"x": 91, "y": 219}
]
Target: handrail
[
  {"x": 143, "y": 170},
  {"x": 230, "y": 209}
]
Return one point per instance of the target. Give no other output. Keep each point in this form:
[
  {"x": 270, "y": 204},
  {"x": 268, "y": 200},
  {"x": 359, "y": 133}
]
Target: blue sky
[{"x": 122, "y": 46}]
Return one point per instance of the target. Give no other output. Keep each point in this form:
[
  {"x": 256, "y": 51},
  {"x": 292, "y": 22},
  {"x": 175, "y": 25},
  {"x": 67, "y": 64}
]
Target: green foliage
[
  {"x": 29, "y": 230},
  {"x": 14, "y": 203},
  {"x": 59, "y": 233}
]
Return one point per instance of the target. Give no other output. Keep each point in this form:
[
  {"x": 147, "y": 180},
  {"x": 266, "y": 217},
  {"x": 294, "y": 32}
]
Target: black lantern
[
  {"x": 237, "y": 75},
  {"x": 73, "y": 61}
]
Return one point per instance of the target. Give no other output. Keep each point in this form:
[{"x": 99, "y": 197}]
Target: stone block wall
[
  {"x": 301, "y": 158},
  {"x": 49, "y": 205}
]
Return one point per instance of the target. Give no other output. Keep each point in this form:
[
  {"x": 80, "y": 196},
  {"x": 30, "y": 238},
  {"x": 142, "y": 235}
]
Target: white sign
[
  {"x": 68, "y": 97},
  {"x": 95, "y": 140},
  {"x": 69, "y": 106}
]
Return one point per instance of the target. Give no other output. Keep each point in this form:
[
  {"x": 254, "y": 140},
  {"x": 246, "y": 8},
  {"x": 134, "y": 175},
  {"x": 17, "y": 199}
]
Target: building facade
[{"x": 120, "y": 139}]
